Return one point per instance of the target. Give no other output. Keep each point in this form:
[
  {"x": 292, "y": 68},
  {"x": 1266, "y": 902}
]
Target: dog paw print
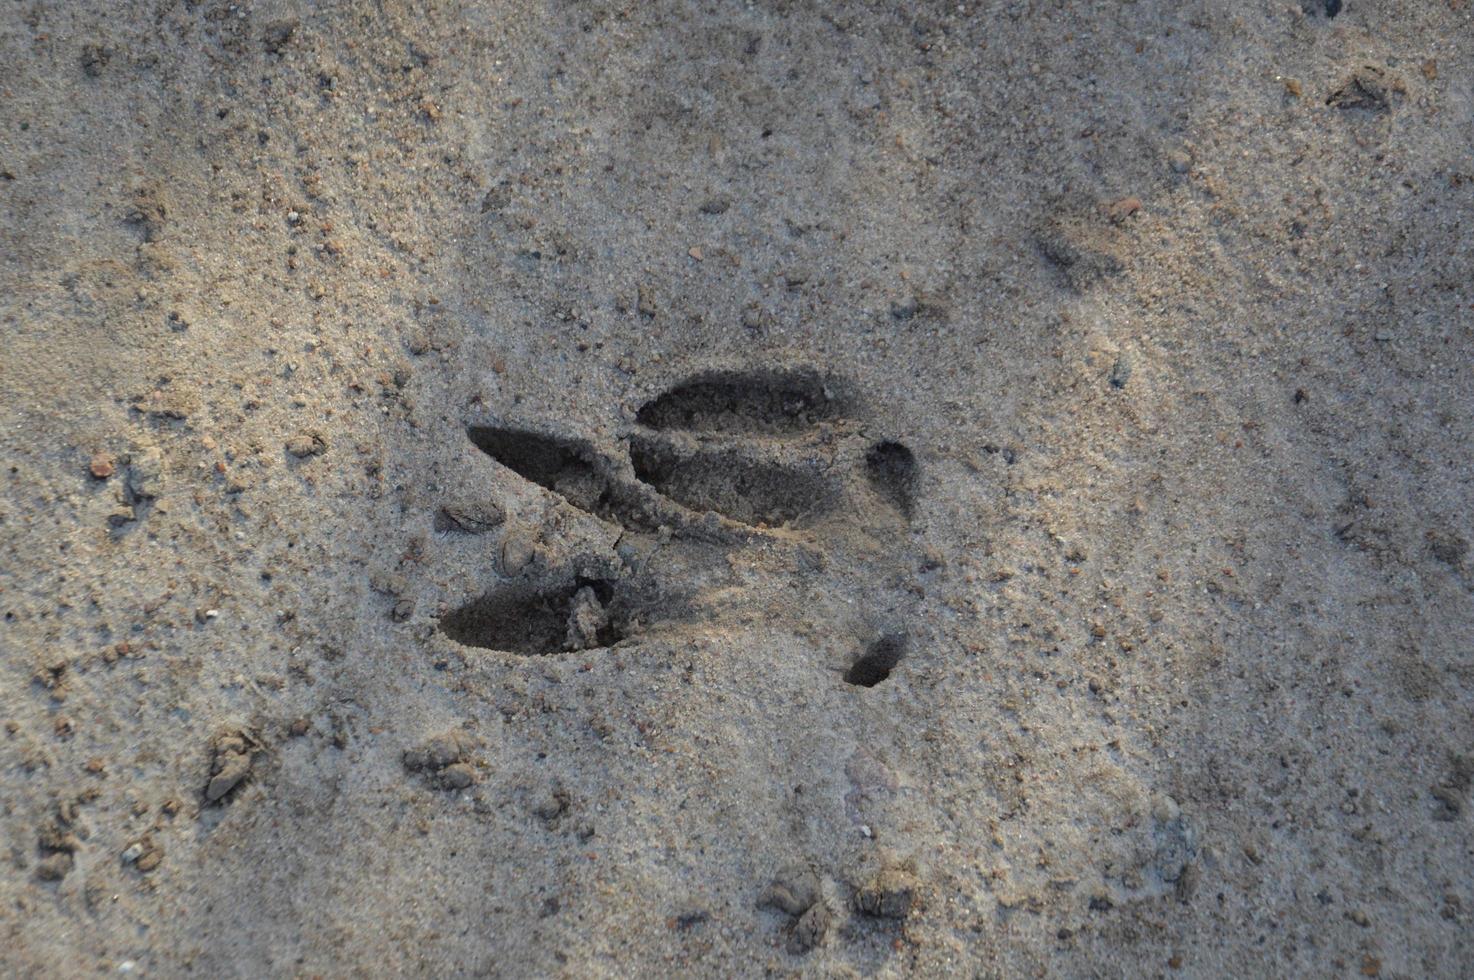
[{"x": 713, "y": 465}]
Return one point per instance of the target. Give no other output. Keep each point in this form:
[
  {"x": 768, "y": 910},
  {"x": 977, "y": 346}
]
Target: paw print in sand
[{"x": 772, "y": 465}]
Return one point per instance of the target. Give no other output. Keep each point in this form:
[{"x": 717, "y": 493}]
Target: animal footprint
[{"x": 712, "y": 464}]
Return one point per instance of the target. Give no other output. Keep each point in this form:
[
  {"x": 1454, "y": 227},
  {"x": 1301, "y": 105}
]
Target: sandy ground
[{"x": 848, "y": 489}]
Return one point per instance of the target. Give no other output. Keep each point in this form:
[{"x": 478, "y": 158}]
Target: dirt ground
[{"x": 774, "y": 488}]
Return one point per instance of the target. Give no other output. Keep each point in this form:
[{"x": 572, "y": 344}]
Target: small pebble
[
  {"x": 54, "y": 867},
  {"x": 793, "y": 890},
  {"x": 517, "y": 553},
  {"x": 1124, "y": 208},
  {"x": 306, "y": 444},
  {"x": 457, "y": 775},
  {"x": 810, "y": 929},
  {"x": 645, "y": 303},
  {"x": 888, "y": 895},
  {"x": 1121, "y": 371},
  {"x": 102, "y": 466}
]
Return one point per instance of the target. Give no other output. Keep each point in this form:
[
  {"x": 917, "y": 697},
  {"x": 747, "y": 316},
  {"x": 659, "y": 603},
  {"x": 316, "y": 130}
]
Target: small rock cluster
[
  {"x": 441, "y": 761},
  {"x": 231, "y": 756},
  {"x": 795, "y": 891}
]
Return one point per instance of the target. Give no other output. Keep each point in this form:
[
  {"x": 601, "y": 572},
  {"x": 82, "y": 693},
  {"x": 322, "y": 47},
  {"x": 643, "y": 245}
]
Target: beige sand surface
[{"x": 734, "y": 489}]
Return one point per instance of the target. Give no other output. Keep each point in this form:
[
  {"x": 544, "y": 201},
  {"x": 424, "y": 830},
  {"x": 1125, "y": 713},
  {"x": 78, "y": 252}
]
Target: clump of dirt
[{"x": 232, "y": 754}]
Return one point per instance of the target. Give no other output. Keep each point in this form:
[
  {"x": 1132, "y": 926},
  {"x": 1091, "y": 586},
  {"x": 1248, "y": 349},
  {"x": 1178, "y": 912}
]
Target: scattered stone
[
  {"x": 888, "y": 895},
  {"x": 54, "y": 867},
  {"x": 57, "y": 841},
  {"x": 587, "y": 617},
  {"x": 1369, "y": 87},
  {"x": 440, "y": 759},
  {"x": 437, "y": 752},
  {"x": 388, "y": 583},
  {"x": 1179, "y": 161},
  {"x": 146, "y": 474},
  {"x": 402, "y": 610},
  {"x": 796, "y": 276},
  {"x": 277, "y": 34},
  {"x": 517, "y": 552},
  {"x": 553, "y": 805},
  {"x": 231, "y": 755},
  {"x": 1121, "y": 371},
  {"x": 1448, "y": 547},
  {"x": 793, "y": 890},
  {"x": 1177, "y": 844},
  {"x": 810, "y": 929},
  {"x": 717, "y": 204},
  {"x": 170, "y": 405},
  {"x": 457, "y": 775},
  {"x": 753, "y": 319},
  {"x": 56, "y": 834},
  {"x": 102, "y": 465},
  {"x": 645, "y": 305},
  {"x": 51, "y": 673},
  {"x": 307, "y": 444},
  {"x": 905, "y": 308},
  {"x": 94, "y": 59},
  {"x": 1120, "y": 210},
  {"x": 144, "y": 854},
  {"x": 148, "y": 212},
  {"x": 1454, "y": 788},
  {"x": 497, "y": 198},
  {"x": 687, "y": 921}
]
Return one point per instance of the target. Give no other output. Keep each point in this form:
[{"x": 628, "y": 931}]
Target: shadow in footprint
[
  {"x": 877, "y": 662},
  {"x": 533, "y": 622},
  {"x": 745, "y": 490},
  {"x": 738, "y": 402},
  {"x": 564, "y": 466},
  {"x": 891, "y": 469}
]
